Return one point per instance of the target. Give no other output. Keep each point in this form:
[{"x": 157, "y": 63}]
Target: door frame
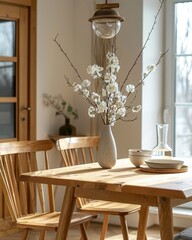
[{"x": 32, "y": 7}]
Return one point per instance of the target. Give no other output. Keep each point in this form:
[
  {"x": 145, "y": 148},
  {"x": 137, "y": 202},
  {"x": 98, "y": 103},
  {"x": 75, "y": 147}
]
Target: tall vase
[{"x": 107, "y": 151}]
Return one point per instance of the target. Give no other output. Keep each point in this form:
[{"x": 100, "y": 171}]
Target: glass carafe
[{"x": 162, "y": 148}]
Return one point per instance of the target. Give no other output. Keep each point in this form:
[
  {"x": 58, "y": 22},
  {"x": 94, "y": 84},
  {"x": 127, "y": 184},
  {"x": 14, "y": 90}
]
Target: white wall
[{"x": 53, "y": 17}]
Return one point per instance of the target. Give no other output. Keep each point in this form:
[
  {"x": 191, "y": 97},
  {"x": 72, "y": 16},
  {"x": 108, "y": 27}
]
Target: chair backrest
[
  {"x": 19, "y": 157},
  {"x": 78, "y": 150}
]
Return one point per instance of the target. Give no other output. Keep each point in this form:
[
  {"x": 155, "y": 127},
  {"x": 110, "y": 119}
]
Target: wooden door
[
  {"x": 17, "y": 91},
  {"x": 17, "y": 76}
]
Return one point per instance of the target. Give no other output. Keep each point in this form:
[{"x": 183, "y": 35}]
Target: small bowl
[{"x": 138, "y": 156}]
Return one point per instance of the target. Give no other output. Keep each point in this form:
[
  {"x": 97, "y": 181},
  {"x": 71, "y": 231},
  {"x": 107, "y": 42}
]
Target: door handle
[{"x": 25, "y": 108}]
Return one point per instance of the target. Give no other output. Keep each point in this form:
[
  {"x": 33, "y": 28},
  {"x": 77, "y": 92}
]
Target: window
[
  {"x": 179, "y": 77},
  {"x": 179, "y": 13},
  {"x": 183, "y": 78}
]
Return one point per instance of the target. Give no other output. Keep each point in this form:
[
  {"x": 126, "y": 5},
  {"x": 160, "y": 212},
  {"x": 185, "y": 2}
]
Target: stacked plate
[{"x": 164, "y": 163}]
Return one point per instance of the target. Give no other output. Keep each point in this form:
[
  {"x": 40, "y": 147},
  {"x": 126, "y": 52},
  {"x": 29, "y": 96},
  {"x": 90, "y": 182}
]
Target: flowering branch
[
  {"x": 144, "y": 46},
  {"x": 110, "y": 102},
  {"x": 151, "y": 68}
]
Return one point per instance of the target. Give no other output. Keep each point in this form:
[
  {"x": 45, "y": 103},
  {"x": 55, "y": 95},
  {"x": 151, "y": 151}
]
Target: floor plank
[{"x": 114, "y": 233}]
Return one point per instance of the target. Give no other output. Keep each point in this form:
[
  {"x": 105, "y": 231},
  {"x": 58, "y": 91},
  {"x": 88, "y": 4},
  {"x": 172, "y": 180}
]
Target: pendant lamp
[{"x": 106, "y": 21}]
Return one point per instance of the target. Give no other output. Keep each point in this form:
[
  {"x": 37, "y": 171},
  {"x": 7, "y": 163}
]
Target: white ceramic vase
[{"x": 107, "y": 150}]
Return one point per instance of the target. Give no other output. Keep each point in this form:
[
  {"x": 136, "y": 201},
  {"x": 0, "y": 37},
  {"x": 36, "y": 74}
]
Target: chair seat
[
  {"x": 186, "y": 234},
  {"x": 49, "y": 221},
  {"x": 83, "y": 150},
  {"x": 112, "y": 208}
]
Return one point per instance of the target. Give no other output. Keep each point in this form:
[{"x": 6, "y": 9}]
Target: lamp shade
[{"x": 106, "y": 23}]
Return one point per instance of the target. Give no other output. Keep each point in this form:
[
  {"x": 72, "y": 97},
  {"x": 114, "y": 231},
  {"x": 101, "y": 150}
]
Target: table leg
[
  {"x": 165, "y": 218},
  {"x": 66, "y": 213},
  {"x": 143, "y": 215}
]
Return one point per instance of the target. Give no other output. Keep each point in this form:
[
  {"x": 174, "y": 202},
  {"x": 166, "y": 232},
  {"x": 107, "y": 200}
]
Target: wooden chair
[
  {"x": 24, "y": 156},
  {"x": 80, "y": 150}
]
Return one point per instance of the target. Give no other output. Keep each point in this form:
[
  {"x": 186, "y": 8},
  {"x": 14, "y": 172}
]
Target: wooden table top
[{"x": 124, "y": 177}]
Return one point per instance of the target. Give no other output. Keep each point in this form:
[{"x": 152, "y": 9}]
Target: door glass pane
[
  {"x": 183, "y": 27},
  {"x": 7, "y": 38},
  {"x": 7, "y": 79},
  {"x": 183, "y": 79},
  {"x": 7, "y": 120}
]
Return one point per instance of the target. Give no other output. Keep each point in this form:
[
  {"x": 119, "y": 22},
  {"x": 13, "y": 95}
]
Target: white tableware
[
  {"x": 138, "y": 156},
  {"x": 145, "y": 168},
  {"x": 164, "y": 163}
]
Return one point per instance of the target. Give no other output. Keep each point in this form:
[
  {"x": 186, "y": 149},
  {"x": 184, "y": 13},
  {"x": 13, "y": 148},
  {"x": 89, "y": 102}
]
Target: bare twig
[
  {"x": 142, "y": 49},
  {"x": 72, "y": 65}
]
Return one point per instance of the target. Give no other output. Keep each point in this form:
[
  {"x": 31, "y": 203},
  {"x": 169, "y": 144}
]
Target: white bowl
[{"x": 138, "y": 156}]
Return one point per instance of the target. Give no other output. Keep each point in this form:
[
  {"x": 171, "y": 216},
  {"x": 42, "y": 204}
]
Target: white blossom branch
[
  {"x": 149, "y": 72},
  {"x": 144, "y": 46}
]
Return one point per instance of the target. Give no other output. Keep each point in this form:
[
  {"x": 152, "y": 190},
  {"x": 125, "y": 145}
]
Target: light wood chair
[
  {"x": 25, "y": 156},
  {"x": 81, "y": 150}
]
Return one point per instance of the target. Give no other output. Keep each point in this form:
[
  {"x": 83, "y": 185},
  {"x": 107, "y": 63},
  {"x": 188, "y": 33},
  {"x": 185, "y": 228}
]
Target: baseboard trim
[{"x": 181, "y": 218}]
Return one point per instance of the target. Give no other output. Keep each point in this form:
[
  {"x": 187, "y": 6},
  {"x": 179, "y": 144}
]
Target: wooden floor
[{"x": 114, "y": 233}]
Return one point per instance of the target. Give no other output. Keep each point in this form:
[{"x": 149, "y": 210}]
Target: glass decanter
[{"x": 162, "y": 148}]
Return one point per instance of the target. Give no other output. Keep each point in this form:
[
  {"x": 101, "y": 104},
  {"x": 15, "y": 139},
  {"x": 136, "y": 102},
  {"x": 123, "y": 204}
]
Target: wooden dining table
[{"x": 123, "y": 183}]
